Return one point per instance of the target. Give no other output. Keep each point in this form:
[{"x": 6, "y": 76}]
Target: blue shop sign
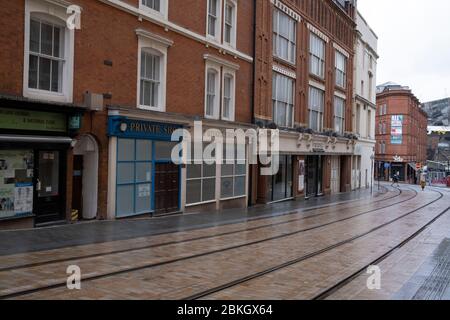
[{"x": 124, "y": 127}]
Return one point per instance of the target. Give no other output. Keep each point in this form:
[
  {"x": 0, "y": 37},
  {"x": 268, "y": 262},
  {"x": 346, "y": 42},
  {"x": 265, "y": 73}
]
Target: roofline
[
  {"x": 400, "y": 92},
  {"x": 344, "y": 12},
  {"x": 437, "y": 100},
  {"x": 410, "y": 94},
  {"x": 368, "y": 25}
]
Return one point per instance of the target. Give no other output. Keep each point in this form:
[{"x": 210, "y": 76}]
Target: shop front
[
  {"x": 310, "y": 166},
  {"x": 398, "y": 169},
  {"x": 144, "y": 178},
  {"x": 281, "y": 184},
  {"x": 385, "y": 170},
  {"x": 33, "y": 158},
  {"x": 214, "y": 183}
]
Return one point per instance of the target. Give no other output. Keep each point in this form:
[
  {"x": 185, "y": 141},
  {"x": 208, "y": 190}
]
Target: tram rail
[
  {"x": 153, "y": 265},
  {"x": 137, "y": 248}
]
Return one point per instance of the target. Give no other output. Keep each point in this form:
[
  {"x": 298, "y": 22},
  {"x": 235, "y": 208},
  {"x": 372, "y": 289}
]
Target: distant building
[
  {"x": 401, "y": 132},
  {"x": 438, "y": 149},
  {"x": 438, "y": 112},
  {"x": 364, "y": 105}
]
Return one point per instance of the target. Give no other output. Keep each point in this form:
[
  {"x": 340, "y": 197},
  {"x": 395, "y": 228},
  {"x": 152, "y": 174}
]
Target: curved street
[{"x": 298, "y": 250}]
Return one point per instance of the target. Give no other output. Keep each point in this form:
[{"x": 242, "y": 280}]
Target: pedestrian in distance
[
  {"x": 395, "y": 179},
  {"x": 423, "y": 181}
]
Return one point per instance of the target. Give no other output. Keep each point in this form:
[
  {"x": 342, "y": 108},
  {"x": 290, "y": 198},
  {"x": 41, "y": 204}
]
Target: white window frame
[
  {"x": 275, "y": 102},
  {"x": 221, "y": 67},
  {"x": 40, "y": 10},
  {"x": 162, "y": 13},
  {"x": 292, "y": 45},
  {"x": 369, "y": 123},
  {"x": 218, "y": 25},
  {"x": 232, "y": 3},
  {"x": 315, "y": 109},
  {"x": 232, "y": 75},
  {"x": 234, "y": 162},
  {"x": 340, "y": 118},
  {"x": 141, "y": 77},
  {"x": 217, "y": 102},
  {"x": 338, "y": 71},
  {"x": 154, "y": 44},
  {"x": 321, "y": 60},
  {"x": 202, "y": 178}
]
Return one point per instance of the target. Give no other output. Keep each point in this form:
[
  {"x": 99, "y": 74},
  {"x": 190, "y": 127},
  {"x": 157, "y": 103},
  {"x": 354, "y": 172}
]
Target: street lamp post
[
  {"x": 380, "y": 169},
  {"x": 372, "y": 157}
]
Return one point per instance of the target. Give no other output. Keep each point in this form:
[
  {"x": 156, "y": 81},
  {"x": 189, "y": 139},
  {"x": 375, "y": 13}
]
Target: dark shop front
[{"x": 33, "y": 157}]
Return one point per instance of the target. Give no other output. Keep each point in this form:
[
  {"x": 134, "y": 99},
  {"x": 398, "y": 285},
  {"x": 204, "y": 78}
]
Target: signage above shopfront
[
  {"x": 319, "y": 148},
  {"x": 75, "y": 122},
  {"x": 138, "y": 129},
  {"x": 16, "y": 119}
]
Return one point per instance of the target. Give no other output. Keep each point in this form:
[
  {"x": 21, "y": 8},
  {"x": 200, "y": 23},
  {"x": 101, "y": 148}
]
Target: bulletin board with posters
[{"x": 16, "y": 183}]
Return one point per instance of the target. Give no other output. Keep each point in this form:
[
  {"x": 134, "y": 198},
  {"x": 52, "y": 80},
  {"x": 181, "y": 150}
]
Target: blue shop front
[{"x": 143, "y": 178}]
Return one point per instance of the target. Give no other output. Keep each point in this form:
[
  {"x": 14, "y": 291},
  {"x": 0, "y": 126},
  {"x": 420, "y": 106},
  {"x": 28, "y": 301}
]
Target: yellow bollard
[{"x": 74, "y": 215}]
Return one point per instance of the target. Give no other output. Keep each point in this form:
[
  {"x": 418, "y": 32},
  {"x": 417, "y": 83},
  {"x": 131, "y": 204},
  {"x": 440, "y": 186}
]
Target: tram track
[
  {"x": 330, "y": 291},
  {"x": 203, "y": 254},
  {"x": 245, "y": 279},
  {"x": 106, "y": 253}
]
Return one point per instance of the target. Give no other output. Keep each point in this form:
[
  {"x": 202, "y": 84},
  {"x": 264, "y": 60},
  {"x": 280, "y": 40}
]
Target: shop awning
[
  {"x": 35, "y": 139},
  {"x": 413, "y": 165}
]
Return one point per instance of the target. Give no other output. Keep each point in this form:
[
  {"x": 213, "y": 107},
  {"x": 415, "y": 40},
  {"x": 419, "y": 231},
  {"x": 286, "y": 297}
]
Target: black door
[
  {"x": 49, "y": 195},
  {"x": 167, "y": 181},
  {"x": 313, "y": 176},
  {"x": 77, "y": 185}
]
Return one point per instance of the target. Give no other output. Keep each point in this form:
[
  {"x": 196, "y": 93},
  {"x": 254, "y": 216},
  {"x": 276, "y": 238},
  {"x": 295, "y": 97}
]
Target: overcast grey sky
[{"x": 413, "y": 43}]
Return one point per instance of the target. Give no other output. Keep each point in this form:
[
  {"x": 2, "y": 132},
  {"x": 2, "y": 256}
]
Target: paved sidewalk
[{"x": 13, "y": 242}]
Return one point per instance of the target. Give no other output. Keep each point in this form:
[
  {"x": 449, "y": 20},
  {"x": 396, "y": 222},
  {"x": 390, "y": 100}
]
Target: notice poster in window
[
  {"x": 7, "y": 201},
  {"x": 23, "y": 198},
  {"x": 301, "y": 176},
  {"x": 16, "y": 182},
  {"x": 144, "y": 191}
]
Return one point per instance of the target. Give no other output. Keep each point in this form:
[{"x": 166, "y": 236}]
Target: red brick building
[
  {"x": 91, "y": 92},
  {"x": 100, "y": 102},
  {"x": 304, "y": 86},
  {"x": 401, "y": 133}
]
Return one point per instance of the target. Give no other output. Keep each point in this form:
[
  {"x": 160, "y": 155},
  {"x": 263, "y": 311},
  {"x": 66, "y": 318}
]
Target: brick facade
[
  {"x": 337, "y": 25},
  {"x": 106, "y": 57},
  {"x": 400, "y": 101},
  {"x": 106, "y": 62},
  {"x": 327, "y": 17}
]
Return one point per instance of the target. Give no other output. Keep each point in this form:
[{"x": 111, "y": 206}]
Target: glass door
[
  {"x": 49, "y": 191},
  {"x": 313, "y": 176},
  {"x": 311, "y": 167},
  {"x": 282, "y": 182},
  {"x": 279, "y": 181}
]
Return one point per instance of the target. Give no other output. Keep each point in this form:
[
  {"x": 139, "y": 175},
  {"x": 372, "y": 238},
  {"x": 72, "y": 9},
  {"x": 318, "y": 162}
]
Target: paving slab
[{"x": 21, "y": 241}]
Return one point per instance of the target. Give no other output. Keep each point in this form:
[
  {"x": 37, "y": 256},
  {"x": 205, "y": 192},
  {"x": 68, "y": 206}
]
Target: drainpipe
[{"x": 250, "y": 185}]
